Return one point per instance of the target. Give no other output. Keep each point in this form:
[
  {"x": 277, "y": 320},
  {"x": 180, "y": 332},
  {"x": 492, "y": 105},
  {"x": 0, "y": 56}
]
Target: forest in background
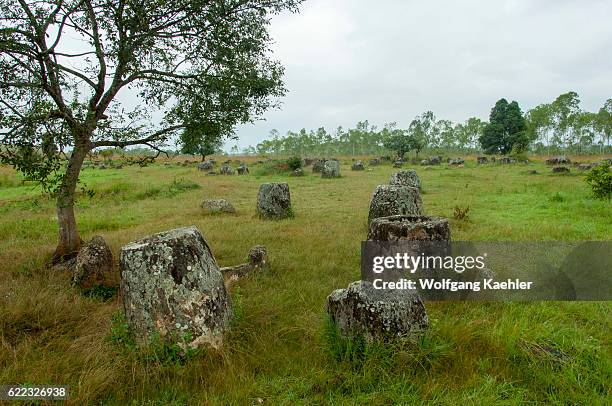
[{"x": 561, "y": 126}]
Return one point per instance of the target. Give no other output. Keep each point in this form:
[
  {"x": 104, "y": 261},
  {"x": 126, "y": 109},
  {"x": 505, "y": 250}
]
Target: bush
[
  {"x": 101, "y": 292},
  {"x": 181, "y": 185},
  {"x": 272, "y": 168},
  {"x": 295, "y": 162},
  {"x": 461, "y": 213},
  {"x": 600, "y": 180}
]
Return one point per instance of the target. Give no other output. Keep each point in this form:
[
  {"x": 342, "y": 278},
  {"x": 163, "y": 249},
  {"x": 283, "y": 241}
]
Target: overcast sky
[{"x": 389, "y": 60}]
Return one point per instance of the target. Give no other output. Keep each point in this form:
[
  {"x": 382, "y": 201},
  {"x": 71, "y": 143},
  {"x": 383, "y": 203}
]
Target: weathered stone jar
[
  {"x": 274, "y": 201},
  {"x": 410, "y": 228},
  {"x": 391, "y": 200},
  {"x": 331, "y": 169},
  {"x": 361, "y": 310},
  {"x": 171, "y": 286},
  {"x": 408, "y": 178}
]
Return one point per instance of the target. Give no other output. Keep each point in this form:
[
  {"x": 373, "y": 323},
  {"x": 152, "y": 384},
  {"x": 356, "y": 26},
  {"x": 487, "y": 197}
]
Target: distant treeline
[{"x": 559, "y": 126}]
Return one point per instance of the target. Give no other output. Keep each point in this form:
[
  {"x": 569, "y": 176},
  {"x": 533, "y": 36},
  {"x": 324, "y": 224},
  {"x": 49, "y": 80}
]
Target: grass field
[{"x": 278, "y": 351}]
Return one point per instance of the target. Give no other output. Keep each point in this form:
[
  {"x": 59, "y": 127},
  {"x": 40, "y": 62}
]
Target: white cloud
[{"x": 391, "y": 60}]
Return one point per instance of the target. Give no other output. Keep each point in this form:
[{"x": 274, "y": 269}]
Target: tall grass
[{"x": 279, "y": 349}]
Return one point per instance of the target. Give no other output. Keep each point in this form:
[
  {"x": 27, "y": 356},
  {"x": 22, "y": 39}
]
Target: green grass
[{"x": 280, "y": 348}]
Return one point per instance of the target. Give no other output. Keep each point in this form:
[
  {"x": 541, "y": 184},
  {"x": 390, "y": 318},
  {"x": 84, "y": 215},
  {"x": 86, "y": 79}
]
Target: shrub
[
  {"x": 461, "y": 214},
  {"x": 600, "y": 180},
  {"x": 295, "y": 162},
  {"x": 120, "y": 331},
  {"x": 272, "y": 168},
  {"x": 101, "y": 292},
  {"x": 181, "y": 185}
]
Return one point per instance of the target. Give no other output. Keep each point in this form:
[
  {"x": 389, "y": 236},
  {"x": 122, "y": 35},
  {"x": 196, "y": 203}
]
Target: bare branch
[
  {"x": 156, "y": 136},
  {"x": 100, "y": 55}
]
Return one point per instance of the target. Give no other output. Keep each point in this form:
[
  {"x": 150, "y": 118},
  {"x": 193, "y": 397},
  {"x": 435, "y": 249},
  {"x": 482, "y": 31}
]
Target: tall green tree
[
  {"x": 446, "y": 134},
  {"x": 539, "y": 124},
  {"x": 202, "y": 140},
  {"x": 417, "y": 136},
  {"x": 604, "y": 123},
  {"x": 397, "y": 140},
  {"x": 506, "y": 129},
  {"x": 471, "y": 132},
  {"x": 188, "y": 57},
  {"x": 566, "y": 111}
]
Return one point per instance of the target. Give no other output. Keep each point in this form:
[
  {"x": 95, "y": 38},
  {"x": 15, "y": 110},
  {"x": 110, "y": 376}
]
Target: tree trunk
[
  {"x": 69, "y": 239},
  {"x": 203, "y": 157}
]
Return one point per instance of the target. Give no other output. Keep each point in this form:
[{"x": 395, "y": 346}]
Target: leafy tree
[
  {"x": 471, "y": 132},
  {"x": 604, "y": 122},
  {"x": 600, "y": 179},
  {"x": 294, "y": 163},
  {"x": 446, "y": 134},
  {"x": 506, "y": 129},
  {"x": 585, "y": 130},
  {"x": 565, "y": 112},
  {"x": 397, "y": 140},
  {"x": 539, "y": 124},
  {"x": 203, "y": 140},
  {"x": 421, "y": 132},
  {"x": 189, "y": 58},
  {"x": 417, "y": 136}
]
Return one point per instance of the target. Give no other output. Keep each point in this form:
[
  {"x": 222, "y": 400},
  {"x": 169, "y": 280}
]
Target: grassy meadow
[{"x": 279, "y": 350}]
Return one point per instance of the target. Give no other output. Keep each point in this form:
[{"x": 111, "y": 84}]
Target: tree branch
[{"x": 156, "y": 136}]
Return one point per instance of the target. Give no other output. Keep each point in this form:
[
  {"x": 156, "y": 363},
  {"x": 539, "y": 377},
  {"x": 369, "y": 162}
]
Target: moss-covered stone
[
  {"x": 171, "y": 286},
  {"x": 274, "y": 201},
  {"x": 391, "y": 200},
  {"x": 361, "y": 310}
]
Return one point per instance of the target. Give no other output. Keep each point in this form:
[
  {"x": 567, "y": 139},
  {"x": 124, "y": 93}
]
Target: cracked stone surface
[
  {"x": 94, "y": 264},
  {"x": 218, "y": 206},
  {"x": 408, "y": 177},
  {"x": 558, "y": 160},
  {"x": 205, "y": 166},
  {"x": 317, "y": 165},
  {"x": 226, "y": 170},
  {"x": 171, "y": 285},
  {"x": 456, "y": 161},
  {"x": 274, "y": 201},
  {"x": 560, "y": 169},
  {"x": 410, "y": 228},
  {"x": 361, "y": 310},
  {"x": 391, "y": 200},
  {"x": 331, "y": 169},
  {"x": 358, "y": 166}
]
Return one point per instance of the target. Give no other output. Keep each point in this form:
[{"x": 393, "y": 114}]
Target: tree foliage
[
  {"x": 563, "y": 125},
  {"x": 506, "y": 129},
  {"x": 600, "y": 179},
  {"x": 65, "y": 63},
  {"x": 203, "y": 139},
  {"x": 397, "y": 140}
]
